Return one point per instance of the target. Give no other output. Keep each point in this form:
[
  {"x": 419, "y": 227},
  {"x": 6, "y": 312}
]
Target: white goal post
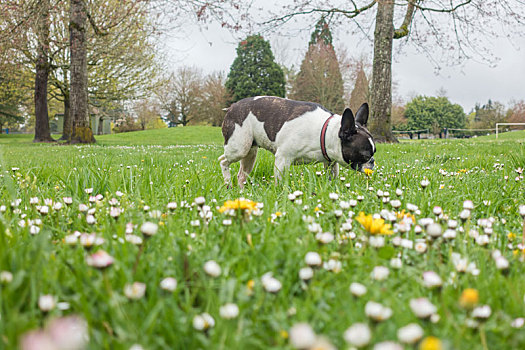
[{"x": 498, "y": 124}]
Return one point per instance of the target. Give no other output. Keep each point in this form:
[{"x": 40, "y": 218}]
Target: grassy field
[{"x": 51, "y": 194}]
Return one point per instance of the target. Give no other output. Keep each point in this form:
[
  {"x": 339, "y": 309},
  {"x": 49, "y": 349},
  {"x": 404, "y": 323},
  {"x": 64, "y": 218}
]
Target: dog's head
[{"x": 357, "y": 143}]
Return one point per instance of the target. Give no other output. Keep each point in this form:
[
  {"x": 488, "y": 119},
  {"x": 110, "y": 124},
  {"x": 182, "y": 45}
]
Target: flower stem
[
  {"x": 139, "y": 254},
  {"x": 107, "y": 285},
  {"x": 523, "y": 234},
  {"x": 483, "y": 337}
]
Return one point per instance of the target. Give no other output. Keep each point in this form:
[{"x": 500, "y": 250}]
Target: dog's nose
[{"x": 368, "y": 165}]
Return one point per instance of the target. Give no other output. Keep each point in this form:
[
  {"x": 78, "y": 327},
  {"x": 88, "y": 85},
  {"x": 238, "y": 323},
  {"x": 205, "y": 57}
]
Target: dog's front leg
[
  {"x": 225, "y": 167},
  {"x": 334, "y": 170},
  {"x": 281, "y": 166}
]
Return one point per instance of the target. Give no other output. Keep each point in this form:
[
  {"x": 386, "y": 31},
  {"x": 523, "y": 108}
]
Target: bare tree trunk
[
  {"x": 66, "y": 129},
  {"x": 42, "y": 130},
  {"x": 81, "y": 129},
  {"x": 381, "y": 91},
  {"x": 68, "y": 125}
]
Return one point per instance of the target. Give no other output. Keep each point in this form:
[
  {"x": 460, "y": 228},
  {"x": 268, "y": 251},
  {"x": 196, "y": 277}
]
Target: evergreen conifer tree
[
  {"x": 319, "y": 79},
  {"x": 254, "y": 71},
  {"x": 321, "y": 33},
  {"x": 360, "y": 93}
]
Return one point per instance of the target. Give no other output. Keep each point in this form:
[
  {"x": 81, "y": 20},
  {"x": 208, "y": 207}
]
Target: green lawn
[
  {"x": 136, "y": 175},
  {"x": 172, "y": 136}
]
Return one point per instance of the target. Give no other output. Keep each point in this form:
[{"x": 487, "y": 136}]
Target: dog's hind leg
[{"x": 247, "y": 164}]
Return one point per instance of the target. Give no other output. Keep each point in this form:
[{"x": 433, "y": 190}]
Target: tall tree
[
  {"x": 119, "y": 49},
  {"x": 13, "y": 94},
  {"x": 25, "y": 33},
  {"x": 30, "y": 39},
  {"x": 180, "y": 95},
  {"x": 147, "y": 113},
  {"x": 321, "y": 33},
  {"x": 434, "y": 113},
  {"x": 319, "y": 78},
  {"x": 112, "y": 16},
  {"x": 360, "y": 94},
  {"x": 120, "y": 56},
  {"x": 517, "y": 112},
  {"x": 381, "y": 90},
  {"x": 213, "y": 99},
  {"x": 487, "y": 115},
  {"x": 81, "y": 128},
  {"x": 254, "y": 71},
  {"x": 42, "y": 131},
  {"x": 189, "y": 98}
]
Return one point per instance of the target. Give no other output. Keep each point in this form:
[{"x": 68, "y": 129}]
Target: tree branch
[
  {"x": 442, "y": 10},
  {"x": 403, "y": 31},
  {"x": 347, "y": 13},
  {"x": 96, "y": 29}
]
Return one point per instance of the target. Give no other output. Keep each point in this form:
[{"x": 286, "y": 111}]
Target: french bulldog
[{"x": 296, "y": 132}]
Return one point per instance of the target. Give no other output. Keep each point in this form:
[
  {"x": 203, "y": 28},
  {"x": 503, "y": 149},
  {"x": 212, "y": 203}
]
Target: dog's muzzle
[{"x": 362, "y": 166}]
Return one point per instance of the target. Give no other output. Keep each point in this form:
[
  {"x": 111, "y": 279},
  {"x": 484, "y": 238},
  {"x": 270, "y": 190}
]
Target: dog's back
[{"x": 270, "y": 110}]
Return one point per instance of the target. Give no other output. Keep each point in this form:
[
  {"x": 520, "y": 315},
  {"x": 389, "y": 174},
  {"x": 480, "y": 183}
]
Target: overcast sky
[{"x": 213, "y": 49}]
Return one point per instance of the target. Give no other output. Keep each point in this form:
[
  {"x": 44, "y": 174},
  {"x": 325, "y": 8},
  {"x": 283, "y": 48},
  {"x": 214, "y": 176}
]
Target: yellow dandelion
[
  {"x": 249, "y": 286},
  {"x": 517, "y": 252},
  {"x": 374, "y": 226},
  {"x": 511, "y": 236},
  {"x": 403, "y": 214},
  {"x": 283, "y": 334},
  {"x": 430, "y": 343},
  {"x": 238, "y": 204},
  {"x": 368, "y": 172},
  {"x": 469, "y": 298}
]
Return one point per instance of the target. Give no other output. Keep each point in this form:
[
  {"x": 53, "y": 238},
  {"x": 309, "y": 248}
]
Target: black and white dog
[{"x": 296, "y": 132}]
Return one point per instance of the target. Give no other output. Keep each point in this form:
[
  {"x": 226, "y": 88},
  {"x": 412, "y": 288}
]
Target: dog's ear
[
  {"x": 361, "y": 116},
  {"x": 347, "y": 125}
]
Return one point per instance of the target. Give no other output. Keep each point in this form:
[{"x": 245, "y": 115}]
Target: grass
[
  {"x": 513, "y": 135},
  {"x": 171, "y": 136},
  {"x": 154, "y": 168}
]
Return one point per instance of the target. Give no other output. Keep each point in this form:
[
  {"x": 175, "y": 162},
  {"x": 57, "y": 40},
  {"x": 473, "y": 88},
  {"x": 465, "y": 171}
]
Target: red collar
[{"x": 323, "y": 133}]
